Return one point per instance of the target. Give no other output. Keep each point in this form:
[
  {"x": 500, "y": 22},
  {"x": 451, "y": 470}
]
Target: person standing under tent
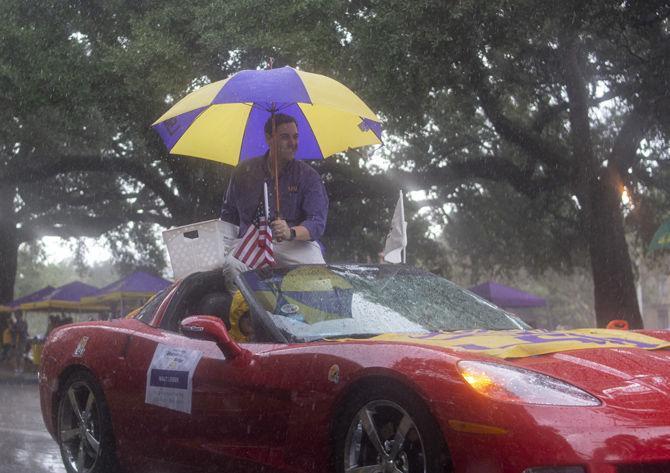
[
  {"x": 20, "y": 340},
  {"x": 7, "y": 339}
]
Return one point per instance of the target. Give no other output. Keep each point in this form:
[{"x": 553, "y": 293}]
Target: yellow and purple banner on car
[{"x": 523, "y": 343}]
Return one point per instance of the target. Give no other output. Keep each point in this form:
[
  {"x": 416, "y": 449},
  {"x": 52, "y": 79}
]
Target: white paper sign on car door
[{"x": 170, "y": 377}]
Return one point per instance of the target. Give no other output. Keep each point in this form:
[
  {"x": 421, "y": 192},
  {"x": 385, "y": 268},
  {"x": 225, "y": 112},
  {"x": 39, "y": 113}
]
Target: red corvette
[{"x": 351, "y": 368}]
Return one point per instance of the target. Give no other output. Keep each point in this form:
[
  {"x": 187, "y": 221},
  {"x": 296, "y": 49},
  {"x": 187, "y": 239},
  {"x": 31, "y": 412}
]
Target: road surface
[{"x": 25, "y": 445}]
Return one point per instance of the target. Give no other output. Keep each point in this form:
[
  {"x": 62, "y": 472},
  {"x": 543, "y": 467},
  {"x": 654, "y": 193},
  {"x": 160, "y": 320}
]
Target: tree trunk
[
  {"x": 599, "y": 192},
  {"x": 613, "y": 280},
  {"x": 9, "y": 245}
]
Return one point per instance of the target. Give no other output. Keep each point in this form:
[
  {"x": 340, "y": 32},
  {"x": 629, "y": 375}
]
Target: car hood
[
  {"x": 511, "y": 344},
  {"x": 622, "y": 376},
  {"x": 620, "y": 367}
]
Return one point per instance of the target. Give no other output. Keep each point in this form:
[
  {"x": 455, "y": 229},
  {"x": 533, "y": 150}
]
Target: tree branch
[
  {"x": 624, "y": 151},
  {"x": 512, "y": 131},
  {"x": 580, "y": 129},
  {"x": 492, "y": 168},
  {"x": 67, "y": 226},
  {"x": 45, "y": 167},
  {"x": 547, "y": 114}
]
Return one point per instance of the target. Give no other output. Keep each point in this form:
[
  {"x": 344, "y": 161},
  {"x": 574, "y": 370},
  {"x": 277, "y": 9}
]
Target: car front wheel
[
  {"x": 84, "y": 428},
  {"x": 388, "y": 430}
]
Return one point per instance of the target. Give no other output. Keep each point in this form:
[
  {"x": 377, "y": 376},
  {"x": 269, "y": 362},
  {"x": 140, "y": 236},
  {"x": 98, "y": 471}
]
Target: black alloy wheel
[{"x": 387, "y": 429}]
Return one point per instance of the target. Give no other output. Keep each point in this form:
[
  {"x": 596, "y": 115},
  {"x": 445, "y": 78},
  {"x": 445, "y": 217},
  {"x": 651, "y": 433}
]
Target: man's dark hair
[{"x": 280, "y": 119}]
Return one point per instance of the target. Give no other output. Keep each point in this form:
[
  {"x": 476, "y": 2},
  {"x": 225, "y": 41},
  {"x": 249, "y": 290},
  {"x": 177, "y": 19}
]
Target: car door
[
  {"x": 151, "y": 431},
  {"x": 239, "y": 408}
]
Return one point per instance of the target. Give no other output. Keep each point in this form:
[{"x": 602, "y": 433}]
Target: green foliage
[
  {"x": 34, "y": 272},
  {"x": 81, "y": 84},
  {"x": 507, "y": 107},
  {"x": 487, "y": 102},
  {"x": 360, "y": 212},
  {"x": 135, "y": 247}
]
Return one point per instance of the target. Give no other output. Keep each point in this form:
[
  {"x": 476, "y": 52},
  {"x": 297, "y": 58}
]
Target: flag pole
[
  {"x": 265, "y": 201},
  {"x": 404, "y": 228}
]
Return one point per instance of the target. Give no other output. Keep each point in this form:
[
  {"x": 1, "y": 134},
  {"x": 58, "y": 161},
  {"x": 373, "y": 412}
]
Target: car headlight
[{"x": 518, "y": 385}]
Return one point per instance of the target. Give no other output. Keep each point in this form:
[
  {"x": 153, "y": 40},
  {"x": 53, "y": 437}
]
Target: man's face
[{"x": 286, "y": 138}]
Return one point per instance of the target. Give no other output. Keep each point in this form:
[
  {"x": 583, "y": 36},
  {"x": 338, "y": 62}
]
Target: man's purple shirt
[{"x": 303, "y": 199}]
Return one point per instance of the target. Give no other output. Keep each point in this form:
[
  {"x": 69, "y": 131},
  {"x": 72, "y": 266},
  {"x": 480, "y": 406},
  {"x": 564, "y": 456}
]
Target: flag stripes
[{"x": 255, "y": 250}]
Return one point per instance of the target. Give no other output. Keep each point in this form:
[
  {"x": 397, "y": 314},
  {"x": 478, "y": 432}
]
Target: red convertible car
[{"x": 351, "y": 368}]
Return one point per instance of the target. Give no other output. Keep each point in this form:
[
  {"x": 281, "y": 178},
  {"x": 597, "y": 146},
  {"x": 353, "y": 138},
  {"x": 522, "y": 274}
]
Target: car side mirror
[{"x": 211, "y": 328}]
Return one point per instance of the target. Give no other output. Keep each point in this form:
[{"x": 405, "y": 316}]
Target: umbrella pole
[{"x": 273, "y": 155}]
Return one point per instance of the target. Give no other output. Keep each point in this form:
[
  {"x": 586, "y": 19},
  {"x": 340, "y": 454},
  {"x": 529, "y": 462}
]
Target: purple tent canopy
[
  {"x": 32, "y": 297},
  {"x": 507, "y": 297},
  {"x": 72, "y": 291},
  {"x": 138, "y": 281},
  {"x": 138, "y": 284},
  {"x": 63, "y": 297}
]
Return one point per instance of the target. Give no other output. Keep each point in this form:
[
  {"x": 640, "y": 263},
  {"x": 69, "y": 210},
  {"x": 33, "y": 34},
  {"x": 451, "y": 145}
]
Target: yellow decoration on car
[
  {"x": 523, "y": 343},
  {"x": 238, "y": 307}
]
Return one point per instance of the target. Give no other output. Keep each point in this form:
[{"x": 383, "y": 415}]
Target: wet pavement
[{"x": 25, "y": 445}]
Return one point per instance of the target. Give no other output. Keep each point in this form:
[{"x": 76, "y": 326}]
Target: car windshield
[{"x": 314, "y": 302}]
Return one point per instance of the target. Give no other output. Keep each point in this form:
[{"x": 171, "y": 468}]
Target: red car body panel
[{"x": 275, "y": 404}]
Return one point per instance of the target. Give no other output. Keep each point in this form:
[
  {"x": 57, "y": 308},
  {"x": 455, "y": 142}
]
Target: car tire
[
  {"x": 410, "y": 440},
  {"x": 84, "y": 428}
]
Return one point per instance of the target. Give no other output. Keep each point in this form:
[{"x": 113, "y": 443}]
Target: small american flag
[{"x": 255, "y": 251}]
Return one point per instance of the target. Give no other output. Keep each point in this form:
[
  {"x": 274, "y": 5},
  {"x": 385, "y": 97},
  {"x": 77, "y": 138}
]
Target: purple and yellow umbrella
[{"x": 223, "y": 121}]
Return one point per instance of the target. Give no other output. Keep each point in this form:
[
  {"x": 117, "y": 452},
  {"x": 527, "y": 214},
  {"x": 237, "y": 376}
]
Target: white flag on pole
[{"x": 396, "y": 241}]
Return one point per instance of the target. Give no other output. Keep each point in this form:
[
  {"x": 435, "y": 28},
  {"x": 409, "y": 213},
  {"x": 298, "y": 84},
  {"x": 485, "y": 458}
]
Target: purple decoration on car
[
  {"x": 507, "y": 297},
  {"x": 172, "y": 129},
  {"x": 263, "y": 88},
  {"x": 253, "y": 143}
]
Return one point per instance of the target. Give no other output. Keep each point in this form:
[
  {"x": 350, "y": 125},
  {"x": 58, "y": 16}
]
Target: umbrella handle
[{"x": 273, "y": 155}]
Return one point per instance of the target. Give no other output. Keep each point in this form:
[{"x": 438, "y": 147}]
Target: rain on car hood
[
  {"x": 627, "y": 377},
  {"x": 629, "y": 369}
]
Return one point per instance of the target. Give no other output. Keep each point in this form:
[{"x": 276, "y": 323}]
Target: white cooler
[{"x": 199, "y": 246}]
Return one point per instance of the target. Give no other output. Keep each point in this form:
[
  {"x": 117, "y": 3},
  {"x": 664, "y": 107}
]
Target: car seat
[{"x": 217, "y": 304}]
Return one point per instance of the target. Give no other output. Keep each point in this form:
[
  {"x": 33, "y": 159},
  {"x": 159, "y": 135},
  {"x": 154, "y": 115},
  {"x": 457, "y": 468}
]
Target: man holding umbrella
[
  {"x": 235, "y": 120},
  {"x": 303, "y": 200}
]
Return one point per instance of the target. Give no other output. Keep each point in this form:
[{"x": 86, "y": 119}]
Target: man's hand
[{"x": 280, "y": 230}]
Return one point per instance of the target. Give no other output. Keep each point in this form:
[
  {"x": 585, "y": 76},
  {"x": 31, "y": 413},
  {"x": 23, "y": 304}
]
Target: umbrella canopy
[
  {"x": 507, "y": 297},
  {"x": 65, "y": 298},
  {"x": 223, "y": 121},
  {"x": 661, "y": 238},
  {"x": 33, "y": 296},
  {"x": 138, "y": 285}
]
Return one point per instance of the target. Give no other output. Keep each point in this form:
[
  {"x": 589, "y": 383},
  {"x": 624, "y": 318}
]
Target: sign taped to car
[{"x": 170, "y": 377}]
